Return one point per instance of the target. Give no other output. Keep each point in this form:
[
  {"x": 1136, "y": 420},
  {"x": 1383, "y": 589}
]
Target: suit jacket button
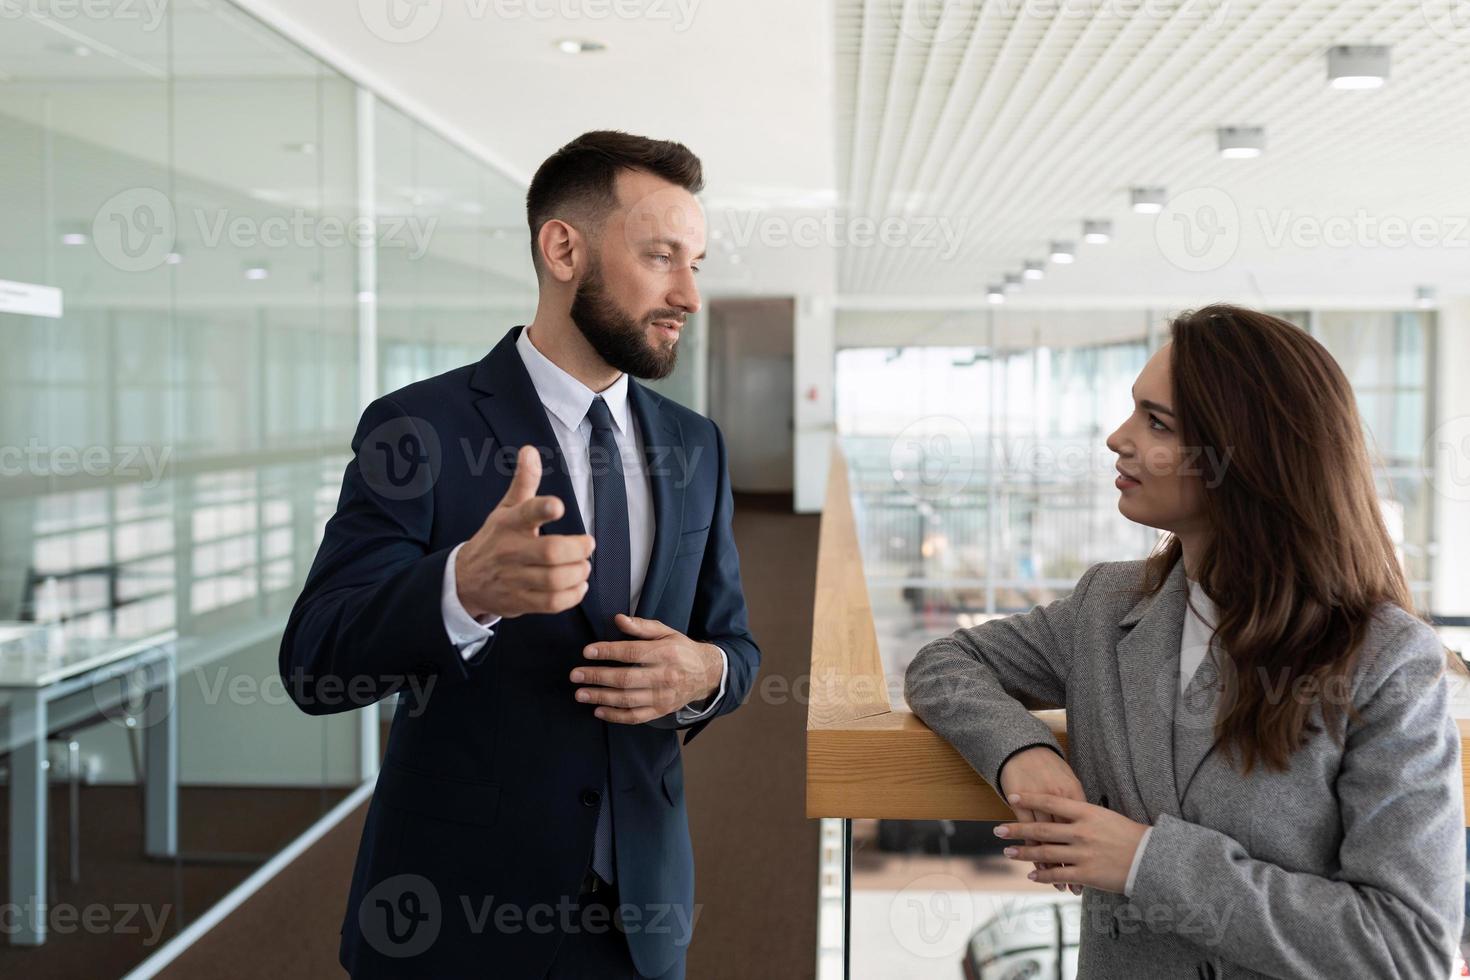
[{"x": 590, "y": 797}]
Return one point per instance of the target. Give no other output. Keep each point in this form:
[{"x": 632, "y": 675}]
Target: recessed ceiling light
[
  {"x": 995, "y": 294},
  {"x": 75, "y": 235},
  {"x": 1357, "y": 66},
  {"x": 1063, "y": 253},
  {"x": 1241, "y": 142},
  {"x": 1013, "y": 282},
  {"x": 1097, "y": 232},
  {"x": 256, "y": 271},
  {"x": 1148, "y": 200},
  {"x": 735, "y": 258},
  {"x": 174, "y": 258},
  {"x": 305, "y": 149},
  {"x": 1424, "y": 297},
  {"x": 1033, "y": 270},
  {"x": 573, "y": 45}
]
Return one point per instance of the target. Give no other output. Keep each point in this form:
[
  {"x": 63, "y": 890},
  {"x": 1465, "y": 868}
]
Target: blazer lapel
[
  {"x": 666, "y": 465},
  {"x": 1194, "y": 721},
  {"x": 516, "y": 417},
  {"x": 1148, "y": 671}
]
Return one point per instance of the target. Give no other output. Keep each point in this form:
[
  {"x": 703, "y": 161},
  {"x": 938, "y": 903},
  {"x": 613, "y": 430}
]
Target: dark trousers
[{"x": 595, "y": 945}]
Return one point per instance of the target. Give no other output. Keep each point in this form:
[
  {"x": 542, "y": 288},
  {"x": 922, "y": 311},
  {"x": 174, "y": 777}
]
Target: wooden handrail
[{"x": 867, "y": 755}]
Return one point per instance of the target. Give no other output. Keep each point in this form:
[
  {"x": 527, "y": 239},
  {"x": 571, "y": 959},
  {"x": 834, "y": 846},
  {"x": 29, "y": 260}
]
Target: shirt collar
[{"x": 566, "y": 397}]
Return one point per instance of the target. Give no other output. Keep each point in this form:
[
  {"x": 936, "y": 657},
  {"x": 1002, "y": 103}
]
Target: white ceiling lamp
[
  {"x": 1424, "y": 297},
  {"x": 1241, "y": 142},
  {"x": 75, "y": 235},
  {"x": 1063, "y": 253},
  {"x": 176, "y": 257},
  {"x": 576, "y": 45},
  {"x": 256, "y": 271},
  {"x": 1148, "y": 200},
  {"x": 1097, "y": 232},
  {"x": 1033, "y": 270},
  {"x": 995, "y": 294},
  {"x": 1357, "y": 66},
  {"x": 1012, "y": 282}
]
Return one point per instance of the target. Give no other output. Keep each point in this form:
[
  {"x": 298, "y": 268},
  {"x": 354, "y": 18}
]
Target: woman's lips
[{"x": 1124, "y": 481}]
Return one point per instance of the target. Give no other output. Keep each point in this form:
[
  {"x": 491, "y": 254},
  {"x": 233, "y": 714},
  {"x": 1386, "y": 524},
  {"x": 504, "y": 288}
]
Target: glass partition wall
[{"x": 247, "y": 248}]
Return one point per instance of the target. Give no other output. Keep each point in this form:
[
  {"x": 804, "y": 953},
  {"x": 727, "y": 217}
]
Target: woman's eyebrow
[{"x": 1155, "y": 406}]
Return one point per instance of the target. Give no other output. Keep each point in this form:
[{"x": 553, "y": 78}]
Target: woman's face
[{"x": 1160, "y": 484}]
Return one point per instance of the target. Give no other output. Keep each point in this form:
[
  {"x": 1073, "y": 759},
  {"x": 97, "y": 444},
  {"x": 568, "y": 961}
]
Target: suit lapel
[
  {"x": 665, "y": 463},
  {"x": 516, "y": 417},
  {"x": 1148, "y": 671}
]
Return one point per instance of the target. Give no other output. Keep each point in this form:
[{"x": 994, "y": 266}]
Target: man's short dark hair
[{"x": 578, "y": 181}]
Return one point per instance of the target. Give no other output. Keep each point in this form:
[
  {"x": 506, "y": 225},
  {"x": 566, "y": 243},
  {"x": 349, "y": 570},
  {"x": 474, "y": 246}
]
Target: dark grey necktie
[{"x": 611, "y": 586}]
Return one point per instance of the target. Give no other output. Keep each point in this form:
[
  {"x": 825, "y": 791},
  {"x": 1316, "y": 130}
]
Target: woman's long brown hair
[{"x": 1298, "y": 558}]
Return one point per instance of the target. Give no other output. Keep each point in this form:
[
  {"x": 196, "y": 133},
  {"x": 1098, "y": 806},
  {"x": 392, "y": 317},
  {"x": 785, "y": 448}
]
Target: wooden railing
[{"x": 867, "y": 755}]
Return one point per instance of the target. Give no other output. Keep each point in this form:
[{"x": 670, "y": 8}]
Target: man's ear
[{"x": 563, "y": 250}]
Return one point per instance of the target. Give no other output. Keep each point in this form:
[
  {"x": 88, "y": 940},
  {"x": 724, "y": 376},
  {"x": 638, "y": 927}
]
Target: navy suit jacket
[{"x": 483, "y": 815}]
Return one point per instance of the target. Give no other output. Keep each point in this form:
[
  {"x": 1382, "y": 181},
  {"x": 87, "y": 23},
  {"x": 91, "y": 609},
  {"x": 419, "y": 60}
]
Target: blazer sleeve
[
  {"x": 1394, "y": 907},
  {"x": 977, "y": 687},
  {"x": 369, "y": 616},
  {"x": 719, "y": 615}
]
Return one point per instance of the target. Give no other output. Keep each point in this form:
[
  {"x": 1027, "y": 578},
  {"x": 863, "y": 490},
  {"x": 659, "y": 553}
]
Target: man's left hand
[{"x": 666, "y": 671}]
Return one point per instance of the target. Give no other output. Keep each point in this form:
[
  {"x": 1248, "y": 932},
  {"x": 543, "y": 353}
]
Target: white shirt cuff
[
  {"x": 467, "y": 633},
  {"x": 687, "y": 714},
  {"x": 1137, "y": 860}
]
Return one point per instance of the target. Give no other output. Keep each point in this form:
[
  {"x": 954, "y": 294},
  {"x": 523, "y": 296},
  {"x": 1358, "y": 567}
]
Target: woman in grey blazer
[{"x": 1263, "y": 777}]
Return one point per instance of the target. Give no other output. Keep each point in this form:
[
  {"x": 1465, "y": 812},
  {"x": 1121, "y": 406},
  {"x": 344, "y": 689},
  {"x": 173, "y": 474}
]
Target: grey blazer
[{"x": 1349, "y": 864}]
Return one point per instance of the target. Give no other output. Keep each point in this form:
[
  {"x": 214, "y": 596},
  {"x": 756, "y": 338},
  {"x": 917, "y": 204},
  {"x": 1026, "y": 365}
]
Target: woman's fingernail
[
  {"x": 1002, "y": 832},
  {"x": 1031, "y": 875},
  {"x": 1009, "y": 852}
]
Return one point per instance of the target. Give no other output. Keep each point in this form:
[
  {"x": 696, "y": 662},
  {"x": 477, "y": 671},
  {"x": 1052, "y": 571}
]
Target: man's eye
[
  {"x": 694, "y": 268},
  {"x": 661, "y": 256}
]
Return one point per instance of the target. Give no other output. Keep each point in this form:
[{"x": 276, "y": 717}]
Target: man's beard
[{"x": 618, "y": 339}]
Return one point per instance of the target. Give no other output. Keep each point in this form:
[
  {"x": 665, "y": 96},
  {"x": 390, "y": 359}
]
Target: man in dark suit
[{"x": 496, "y": 528}]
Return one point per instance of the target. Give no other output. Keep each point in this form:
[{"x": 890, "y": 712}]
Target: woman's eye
[{"x": 1154, "y": 420}]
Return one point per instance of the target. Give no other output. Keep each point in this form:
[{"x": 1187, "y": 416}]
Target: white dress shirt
[
  {"x": 1199, "y": 632},
  {"x": 566, "y": 401}
]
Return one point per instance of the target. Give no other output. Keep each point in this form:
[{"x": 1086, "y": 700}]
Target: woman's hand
[
  {"x": 1040, "y": 770},
  {"x": 1095, "y": 846}
]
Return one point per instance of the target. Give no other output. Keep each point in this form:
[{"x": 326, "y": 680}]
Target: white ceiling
[
  {"x": 977, "y": 136},
  {"x": 1015, "y": 127},
  {"x": 746, "y": 84}
]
